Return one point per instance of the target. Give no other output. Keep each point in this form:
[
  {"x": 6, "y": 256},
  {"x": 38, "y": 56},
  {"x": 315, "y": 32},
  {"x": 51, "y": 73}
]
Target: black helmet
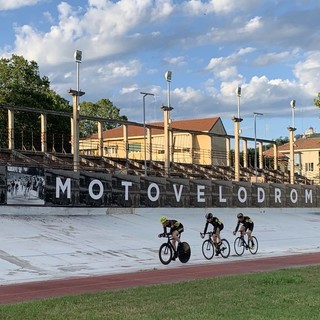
[
  {"x": 240, "y": 215},
  {"x": 209, "y": 216}
]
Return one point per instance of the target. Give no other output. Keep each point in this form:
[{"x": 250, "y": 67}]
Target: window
[
  {"x": 111, "y": 150},
  {"x": 309, "y": 166},
  {"x": 134, "y": 147}
]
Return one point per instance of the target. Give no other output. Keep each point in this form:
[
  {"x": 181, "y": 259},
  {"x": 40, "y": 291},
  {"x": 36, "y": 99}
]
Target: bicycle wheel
[
  {"x": 184, "y": 252},
  {"x": 207, "y": 249},
  {"x": 165, "y": 253},
  {"x": 239, "y": 246},
  {"x": 225, "y": 248},
  {"x": 254, "y": 245}
]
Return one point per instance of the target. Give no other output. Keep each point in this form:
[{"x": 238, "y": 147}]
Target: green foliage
[
  {"x": 317, "y": 101},
  {"x": 21, "y": 85},
  {"x": 279, "y": 142},
  {"x": 103, "y": 108},
  {"x": 284, "y": 294}
]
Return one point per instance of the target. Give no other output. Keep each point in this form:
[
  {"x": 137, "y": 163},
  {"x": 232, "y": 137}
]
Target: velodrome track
[{"x": 43, "y": 256}]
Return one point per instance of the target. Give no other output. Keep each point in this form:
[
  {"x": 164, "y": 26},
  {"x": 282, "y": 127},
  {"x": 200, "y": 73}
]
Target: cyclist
[
  {"x": 217, "y": 227},
  {"x": 247, "y": 226},
  {"x": 176, "y": 228}
]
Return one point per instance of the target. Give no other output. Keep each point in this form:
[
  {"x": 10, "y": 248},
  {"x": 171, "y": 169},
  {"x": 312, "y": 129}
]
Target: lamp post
[
  {"x": 237, "y": 121},
  {"x": 255, "y": 114},
  {"x": 291, "y": 138},
  {"x": 166, "y": 111},
  {"x": 75, "y": 105},
  {"x": 144, "y": 128}
]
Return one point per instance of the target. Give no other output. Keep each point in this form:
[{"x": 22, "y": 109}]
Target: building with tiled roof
[
  {"x": 306, "y": 157},
  {"x": 198, "y": 141}
]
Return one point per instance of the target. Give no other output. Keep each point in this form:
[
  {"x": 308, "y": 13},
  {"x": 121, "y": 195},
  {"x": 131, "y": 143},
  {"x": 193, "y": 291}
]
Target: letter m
[{"x": 63, "y": 186}]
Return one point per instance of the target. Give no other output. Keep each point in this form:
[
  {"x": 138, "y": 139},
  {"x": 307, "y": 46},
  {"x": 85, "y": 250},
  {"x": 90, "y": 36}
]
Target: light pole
[
  {"x": 166, "y": 111},
  {"x": 237, "y": 121},
  {"x": 144, "y": 128},
  {"x": 255, "y": 114},
  {"x": 291, "y": 133},
  {"x": 75, "y": 105}
]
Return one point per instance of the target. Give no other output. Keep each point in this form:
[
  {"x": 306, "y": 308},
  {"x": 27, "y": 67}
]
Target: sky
[{"x": 270, "y": 48}]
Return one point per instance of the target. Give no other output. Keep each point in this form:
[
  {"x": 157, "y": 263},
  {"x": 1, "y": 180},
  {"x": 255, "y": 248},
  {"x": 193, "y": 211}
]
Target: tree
[
  {"x": 21, "y": 85},
  {"x": 317, "y": 101},
  {"x": 279, "y": 142},
  {"x": 103, "y": 108}
]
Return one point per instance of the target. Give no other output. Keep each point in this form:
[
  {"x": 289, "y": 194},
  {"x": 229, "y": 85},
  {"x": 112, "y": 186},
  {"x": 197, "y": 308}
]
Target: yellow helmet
[{"x": 163, "y": 220}]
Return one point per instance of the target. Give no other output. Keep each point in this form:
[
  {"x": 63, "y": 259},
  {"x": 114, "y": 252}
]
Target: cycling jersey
[
  {"x": 246, "y": 222},
  {"x": 216, "y": 223},
  {"x": 173, "y": 225}
]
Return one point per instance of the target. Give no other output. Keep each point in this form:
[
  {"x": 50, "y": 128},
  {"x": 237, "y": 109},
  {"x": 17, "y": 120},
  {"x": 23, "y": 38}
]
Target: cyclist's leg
[
  {"x": 242, "y": 230},
  {"x": 215, "y": 240},
  {"x": 249, "y": 232}
]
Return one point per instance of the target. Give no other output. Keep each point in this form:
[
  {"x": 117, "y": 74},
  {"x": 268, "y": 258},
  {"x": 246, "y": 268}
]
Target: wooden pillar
[
  {"x": 43, "y": 118},
  {"x": 100, "y": 138},
  {"x": 11, "y": 129}
]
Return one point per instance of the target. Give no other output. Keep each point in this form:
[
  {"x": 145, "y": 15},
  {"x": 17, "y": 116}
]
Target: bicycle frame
[
  {"x": 209, "y": 247},
  {"x": 167, "y": 251},
  {"x": 241, "y": 244}
]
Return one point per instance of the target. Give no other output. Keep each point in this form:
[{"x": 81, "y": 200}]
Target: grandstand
[
  {"x": 189, "y": 158},
  {"x": 136, "y": 167}
]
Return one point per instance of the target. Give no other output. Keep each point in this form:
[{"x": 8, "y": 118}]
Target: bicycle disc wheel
[
  {"x": 184, "y": 252},
  {"x": 207, "y": 249},
  {"x": 239, "y": 246},
  {"x": 224, "y": 248},
  {"x": 254, "y": 245},
  {"x": 165, "y": 253}
]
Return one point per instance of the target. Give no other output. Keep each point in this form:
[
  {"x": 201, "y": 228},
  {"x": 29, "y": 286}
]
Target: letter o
[
  {"x": 294, "y": 196},
  {"x": 244, "y": 191},
  {"x": 156, "y": 196},
  {"x": 91, "y": 193}
]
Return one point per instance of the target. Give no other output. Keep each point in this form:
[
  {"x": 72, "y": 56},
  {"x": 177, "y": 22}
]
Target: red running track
[{"x": 54, "y": 288}]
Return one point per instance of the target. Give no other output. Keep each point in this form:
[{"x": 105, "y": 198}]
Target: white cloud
[
  {"x": 120, "y": 69},
  {"x": 308, "y": 72},
  {"x": 16, "y": 4},
  {"x": 253, "y": 25},
  {"x": 271, "y": 58},
  {"x": 176, "y": 61},
  {"x": 225, "y": 68}
]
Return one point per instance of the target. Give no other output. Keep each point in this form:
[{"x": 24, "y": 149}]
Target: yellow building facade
[{"x": 195, "y": 141}]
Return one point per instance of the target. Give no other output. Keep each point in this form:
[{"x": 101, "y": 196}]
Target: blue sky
[{"x": 270, "y": 48}]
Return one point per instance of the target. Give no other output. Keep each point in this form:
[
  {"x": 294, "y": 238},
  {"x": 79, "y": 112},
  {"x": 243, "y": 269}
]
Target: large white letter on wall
[
  {"x": 261, "y": 195},
  {"x": 220, "y": 195},
  {"x": 176, "y": 192},
  {"x": 126, "y": 185},
  {"x": 308, "y": 194},
  {"x": 63, "y": 186},
  {"x": 277, "y": 195},
  {"x": 243, "y": 191},
  {"x": 294, "y": 196},
  {"x": 156, "y": 196},
  {"x": 101, "y": 189},
  {"x": 200, "y": 193}
]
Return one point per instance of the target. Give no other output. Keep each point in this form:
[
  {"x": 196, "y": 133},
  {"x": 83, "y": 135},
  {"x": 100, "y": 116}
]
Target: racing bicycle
[
  {"x": 208, "y": 247},
  {"x": 167, "y": 251},
  {"x": 241, "y": 244}
]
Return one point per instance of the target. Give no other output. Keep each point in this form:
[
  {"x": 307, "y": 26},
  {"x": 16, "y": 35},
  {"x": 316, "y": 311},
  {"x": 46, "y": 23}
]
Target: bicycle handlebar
[{"x": 164, "y": 235}]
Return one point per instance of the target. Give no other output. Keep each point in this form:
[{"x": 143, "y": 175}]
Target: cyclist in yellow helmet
[{"x": 176, "y": 228}]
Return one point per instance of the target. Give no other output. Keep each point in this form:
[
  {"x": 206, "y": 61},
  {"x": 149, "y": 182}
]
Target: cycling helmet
[
  {"x": 209, "y": 216},
  {"x": 163, "y": 220},
  {"x": 240, "y": 215}
]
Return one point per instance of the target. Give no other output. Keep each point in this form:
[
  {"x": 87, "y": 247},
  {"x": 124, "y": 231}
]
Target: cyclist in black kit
[
  {"x": 176, "y": 228},
  {"x": 217, "y": 227},
  {"x": 247, "y": 226}
]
